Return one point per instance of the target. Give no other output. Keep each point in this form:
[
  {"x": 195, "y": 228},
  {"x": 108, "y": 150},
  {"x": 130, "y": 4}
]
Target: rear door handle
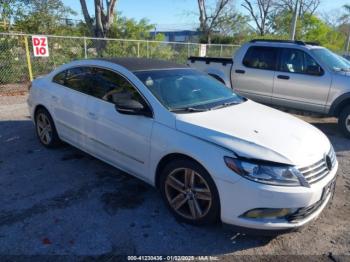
[
  {"x": 239, "y": 71},
  {"x": 283, "y": 77}
]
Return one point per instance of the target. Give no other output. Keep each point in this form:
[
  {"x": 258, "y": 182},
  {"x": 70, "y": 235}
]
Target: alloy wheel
[
  {"x": 188, "y": 193},
  {"x": 44, "y": 128},
  {"x": 347, "y": 123}
]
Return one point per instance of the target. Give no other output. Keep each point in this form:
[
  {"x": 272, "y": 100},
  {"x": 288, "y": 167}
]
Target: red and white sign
[{"x": 40, "y": 46}]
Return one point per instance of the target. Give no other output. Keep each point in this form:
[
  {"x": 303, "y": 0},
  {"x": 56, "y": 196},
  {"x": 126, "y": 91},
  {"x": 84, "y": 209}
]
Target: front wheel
[
  {"x": 344, "y": 121},
  {"x": 190, "y": 192}
]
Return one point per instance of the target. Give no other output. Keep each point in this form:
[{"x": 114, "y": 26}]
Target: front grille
[
  {"x": 315, "y": 172},
  {"x": 302, "y": 213}
]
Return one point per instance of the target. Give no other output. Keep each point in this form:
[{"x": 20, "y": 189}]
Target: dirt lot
[{"x": 66, "y": 202}]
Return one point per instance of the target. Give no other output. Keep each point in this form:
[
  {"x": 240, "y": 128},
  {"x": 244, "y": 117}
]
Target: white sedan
[{"x": 213, "y": 154}]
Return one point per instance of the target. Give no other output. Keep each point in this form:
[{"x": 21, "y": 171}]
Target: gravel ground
[{"x": 66, "y": 202}]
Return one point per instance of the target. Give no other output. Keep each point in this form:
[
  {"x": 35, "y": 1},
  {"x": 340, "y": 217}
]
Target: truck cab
[{"x": 290, "y": 74}]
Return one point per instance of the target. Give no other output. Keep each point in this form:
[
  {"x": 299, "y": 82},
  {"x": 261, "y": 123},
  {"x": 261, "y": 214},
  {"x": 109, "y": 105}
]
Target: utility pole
[
  {"x": 294, "y": 21},
  {"x": 155, "y": 32},
  {"x": 347, "y": 43}
]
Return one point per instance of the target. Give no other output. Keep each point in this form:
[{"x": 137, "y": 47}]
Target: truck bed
[{"x": 218, "y": 67}]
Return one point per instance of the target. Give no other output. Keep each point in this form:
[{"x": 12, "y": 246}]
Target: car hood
[{"x": 259, "y": 132}]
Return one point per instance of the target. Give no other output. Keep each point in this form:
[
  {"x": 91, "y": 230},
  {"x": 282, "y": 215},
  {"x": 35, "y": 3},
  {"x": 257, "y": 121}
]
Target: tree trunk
[
  {"x": 347, "y": 45},
  {"x": 103, "y": 21},
  {"x": 209, "y": 37}
]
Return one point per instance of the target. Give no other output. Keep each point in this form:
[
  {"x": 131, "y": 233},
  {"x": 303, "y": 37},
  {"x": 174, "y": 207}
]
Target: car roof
[
  {"x": 142, "y": 64},
  {"x": 306, "y": 45}
]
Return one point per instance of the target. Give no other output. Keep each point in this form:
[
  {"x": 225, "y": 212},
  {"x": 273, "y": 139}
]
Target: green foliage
[
  {"x": 124, "y": 28},
  {"x": 42, "y": 16},
  {"x": 13, "y": 68},
  {"x": 309, "y": 28}
]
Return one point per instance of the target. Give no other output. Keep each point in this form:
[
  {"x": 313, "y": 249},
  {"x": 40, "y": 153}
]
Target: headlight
[{"x": 272, "y": 174}]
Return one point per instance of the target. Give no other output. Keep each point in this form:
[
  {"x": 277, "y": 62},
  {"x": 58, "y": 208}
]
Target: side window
[
  {"x": 261, "y": 57},
  {"x": 297, "y": 61},
  {"x": 114, "y": 88},
  {"x": 79, "y": 79},
  {"x": 60, "y": 78}
]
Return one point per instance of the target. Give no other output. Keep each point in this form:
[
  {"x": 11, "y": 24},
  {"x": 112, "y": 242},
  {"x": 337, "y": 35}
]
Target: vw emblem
[{"x": 328, "y": 161}]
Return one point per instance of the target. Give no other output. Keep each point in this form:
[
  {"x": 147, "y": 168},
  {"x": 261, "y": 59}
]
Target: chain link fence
[{"x": 14, "y": 68}]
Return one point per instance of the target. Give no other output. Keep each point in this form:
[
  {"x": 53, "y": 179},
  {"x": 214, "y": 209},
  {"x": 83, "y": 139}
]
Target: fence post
[
  {"x": 188, "y": 50},
  {"x": 138, "y": 49},
  {"x": 85, "y": 49},
  {"x": 28, "y": 58},
  {"x": 221, "y": 50},
  {"x": 147, "y": 49}
]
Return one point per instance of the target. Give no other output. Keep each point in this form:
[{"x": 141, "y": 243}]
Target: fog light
[{"x": 268, "y": 213}]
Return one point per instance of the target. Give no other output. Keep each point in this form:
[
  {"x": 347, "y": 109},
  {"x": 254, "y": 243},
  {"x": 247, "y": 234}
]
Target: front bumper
[{"x": 237, "y": 198}]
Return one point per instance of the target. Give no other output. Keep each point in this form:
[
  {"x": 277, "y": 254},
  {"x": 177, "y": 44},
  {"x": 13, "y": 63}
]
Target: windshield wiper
[
  {"x": 188, "y": 109},
  {"x": 224, "y": 105}
]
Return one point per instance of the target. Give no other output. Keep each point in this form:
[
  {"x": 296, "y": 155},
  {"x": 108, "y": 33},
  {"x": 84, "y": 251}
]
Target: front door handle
[
  {"x": 239, "y": 71},
  {"x": 92, "y": 115},
  {"x": 283, "y": 77}
]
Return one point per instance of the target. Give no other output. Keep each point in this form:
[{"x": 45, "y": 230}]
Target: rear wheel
[
  {"x": 45, "y": 129},
  {"x": 190, "y": 192},
  {"x": 344, "y": 121}
]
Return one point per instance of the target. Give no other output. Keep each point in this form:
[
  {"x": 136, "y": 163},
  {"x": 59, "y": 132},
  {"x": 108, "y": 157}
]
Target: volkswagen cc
[{"x": 213, "y": 155}]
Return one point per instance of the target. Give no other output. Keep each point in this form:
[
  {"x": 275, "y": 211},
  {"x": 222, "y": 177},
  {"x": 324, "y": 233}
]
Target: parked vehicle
[
  {"x": 289, "y": 74},
  {"x": 212, "y": 153},
  {"x": 347, "y": 57}
]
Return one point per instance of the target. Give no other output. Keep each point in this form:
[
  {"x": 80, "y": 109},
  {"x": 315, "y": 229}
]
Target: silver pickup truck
[{"x": 288, "y": 74}]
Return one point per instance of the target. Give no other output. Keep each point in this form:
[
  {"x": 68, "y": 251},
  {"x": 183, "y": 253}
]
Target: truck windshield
[
  {"x": 332, "y": 60},
  {"x": 188, "y": 90}
]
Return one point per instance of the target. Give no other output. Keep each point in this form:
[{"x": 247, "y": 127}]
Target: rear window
[
  {"x": 60, "y": 78},
  {"x": 80, "y": 79},
  {"x": 261, "y": 57}
]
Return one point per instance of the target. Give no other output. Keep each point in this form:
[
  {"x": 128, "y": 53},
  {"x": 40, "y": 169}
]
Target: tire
[
  {"x": 198, "y": 204},
  {"x": 344, "y": 121},
  {"x": 45, "y": 129}
]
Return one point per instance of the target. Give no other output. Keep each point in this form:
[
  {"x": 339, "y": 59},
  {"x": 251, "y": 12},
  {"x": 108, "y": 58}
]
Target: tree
[
  {"x": 346, "y": 18},
  {"x": 260, "y": 11},
  {"x": 101, "y": 24},
  {"x": 234, "y": 24},
  {"x": 212, "y": 15},
  {"x": 305, "y": 6},
  {"x": 41, "y": 16}
]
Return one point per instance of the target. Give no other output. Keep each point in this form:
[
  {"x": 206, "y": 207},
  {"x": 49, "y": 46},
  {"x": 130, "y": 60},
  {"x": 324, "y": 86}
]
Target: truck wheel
[{"x": 344, "y": 121}]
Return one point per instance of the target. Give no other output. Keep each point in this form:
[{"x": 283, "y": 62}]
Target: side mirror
[
  {"x": 132, "y": 107},
  {"x": 314, "y": 70}
]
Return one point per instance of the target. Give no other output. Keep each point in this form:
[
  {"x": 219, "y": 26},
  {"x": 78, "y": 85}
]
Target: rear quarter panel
[{"x": 39, "y": 94}]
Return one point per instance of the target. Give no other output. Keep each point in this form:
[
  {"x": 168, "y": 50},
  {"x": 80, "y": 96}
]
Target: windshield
[
  {"x": 332, "y": 60},
  {"x": 187, "y": 90}
]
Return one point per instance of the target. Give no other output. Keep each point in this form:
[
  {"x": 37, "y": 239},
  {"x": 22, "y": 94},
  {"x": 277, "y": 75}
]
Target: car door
[
  {"x": 118, "y": 135},
  {"x": 300, "y": 82},
  {"x": 254, "y": 77},
  {"x": 70, "y": 105}
]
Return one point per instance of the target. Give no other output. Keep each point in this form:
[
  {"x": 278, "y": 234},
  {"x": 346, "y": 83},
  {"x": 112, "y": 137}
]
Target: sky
[{"x": 175, "y": 14}]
